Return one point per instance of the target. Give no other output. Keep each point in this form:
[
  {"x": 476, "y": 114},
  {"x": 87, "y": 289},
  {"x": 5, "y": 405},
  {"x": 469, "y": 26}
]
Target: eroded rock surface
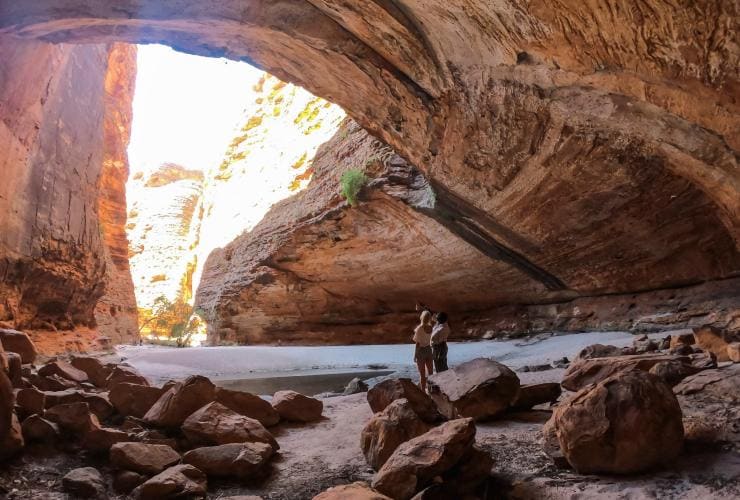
[
  {"x": 628, "y": 423},
  {"x": 65, "y": 115}
]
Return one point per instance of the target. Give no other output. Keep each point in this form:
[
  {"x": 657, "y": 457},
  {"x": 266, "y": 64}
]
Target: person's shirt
[
  {"x": 440, "y": 332},
  {"x": 423, "y": 335}
]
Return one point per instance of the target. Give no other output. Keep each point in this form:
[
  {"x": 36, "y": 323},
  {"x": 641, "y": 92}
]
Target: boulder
[
  {"x": 468, "y": 474},
  {"x": 11, "y": 439},
  {"x": 180, "y": 401},
  {"x": 180, "y": 481},
  {"x": 591, "y": 371},
  {"x": 561, "y": 363},
  {"x": 384, "y": 393},
  {"x": 644, "y": 344},
  {"x": 535, "y": 394},
  {"x": 133, "y": 399},
  {"x": 237, "y": 460},
  {"x": 296, "y": 407},
  {"x": 249, "y": 405},
  {"x": 85, "y": 482},
  {"x": 713, "y": 340},
  {"x": 15, "y": 368},
  {"x": 95, "y": 370},
  {"x": 52, "y": 383},
  {"x": 143, "y": 458},
  {"x": 124, "y": 481},
  {"x": 684, "y": 339},
  {"x": 625, "y": 424},
  {"x": 703, "y": 360},
  {"x": 415, "y": 463},
  {"x": 551, "y": 445},
  {"x": 36, "y": 428},
  {"x": 673, "y": 371},
  {"x": 682, "y": 349},
  {"x": 355, "y": 386},
  {"x": 355, "y": 491},
  {"x": 387, "y": 430},
  {"x": 733, "y": 352},
  {"x": 30, "y": 401},
  {"x": 722, "y": 384},
  {"x": 74, "y": 417},
  {"x": 101, "y": 439},
  {"x": 64, "y": 370},
  {"x": 215, "y": 424},
  {"x": 18, "y": 342},
  {"x": 598, "y": 351},
  {"x": 98, "y": 402},
  {"x": 7, "y": 398},
  {"x": 125, "y": 373},
  {"x": 480, "y": 389}
]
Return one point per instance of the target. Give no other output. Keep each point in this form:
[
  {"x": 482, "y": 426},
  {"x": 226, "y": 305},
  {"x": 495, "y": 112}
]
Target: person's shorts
[{"x": 422, "y": 353}]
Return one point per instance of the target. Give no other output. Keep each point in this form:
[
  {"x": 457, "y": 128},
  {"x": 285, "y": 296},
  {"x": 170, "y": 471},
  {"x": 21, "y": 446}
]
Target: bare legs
[{"x": 425, "y": 367}]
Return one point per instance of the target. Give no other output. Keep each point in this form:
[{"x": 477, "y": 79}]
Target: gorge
[
  {"x": 561, "y": 178},
  {"x": 577, "y": 166}
]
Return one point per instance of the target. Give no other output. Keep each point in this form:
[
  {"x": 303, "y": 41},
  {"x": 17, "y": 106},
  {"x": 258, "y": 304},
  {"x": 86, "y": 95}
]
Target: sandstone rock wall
[
  {"x": 164, "y": 224},
  {"x": 53, "y": 252},
  {"x": 269, "y": 158},
  {"x": 315, "y": 270},
  {"x": 115, "y": 312},
  {"x": 586, "y": 149}
]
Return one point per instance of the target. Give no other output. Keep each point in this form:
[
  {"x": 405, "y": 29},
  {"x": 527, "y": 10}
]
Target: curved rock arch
[{"x": 600, "y": 140}]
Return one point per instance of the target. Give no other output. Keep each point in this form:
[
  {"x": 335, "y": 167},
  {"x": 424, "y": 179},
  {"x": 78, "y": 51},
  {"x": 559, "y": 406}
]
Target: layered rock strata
[
  {"x": 317, "y": 270},
  {"x": 588, "y": 150},
  {"x": 65, "y": 116},
  {"x": 164, "y": 223}
]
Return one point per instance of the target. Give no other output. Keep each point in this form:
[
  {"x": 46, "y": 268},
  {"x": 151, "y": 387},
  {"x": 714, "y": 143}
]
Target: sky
[{"x": 186, "y": 107}]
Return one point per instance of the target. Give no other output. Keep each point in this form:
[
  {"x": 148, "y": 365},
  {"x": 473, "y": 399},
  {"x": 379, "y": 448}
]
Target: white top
[
  {"x": 440, "y": 332},
  {"x": 422, "y": 335}
]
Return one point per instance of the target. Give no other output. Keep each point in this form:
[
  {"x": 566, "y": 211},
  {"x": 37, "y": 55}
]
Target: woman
[{"x": 423, "y": 349}]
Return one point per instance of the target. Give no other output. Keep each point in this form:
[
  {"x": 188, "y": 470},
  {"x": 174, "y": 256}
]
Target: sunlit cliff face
[{"x": 203, "y": 173}]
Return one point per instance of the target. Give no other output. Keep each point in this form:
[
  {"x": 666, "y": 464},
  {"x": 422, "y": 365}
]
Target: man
[{"x": 440, "y": 333}]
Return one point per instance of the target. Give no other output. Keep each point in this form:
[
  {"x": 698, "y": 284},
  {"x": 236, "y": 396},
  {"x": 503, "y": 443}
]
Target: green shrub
[{"x": 352, "y": 182}]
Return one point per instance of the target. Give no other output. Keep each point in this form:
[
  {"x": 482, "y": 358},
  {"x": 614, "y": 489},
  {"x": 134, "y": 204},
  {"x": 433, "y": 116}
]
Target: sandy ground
[{"x": 316, "y": 456}]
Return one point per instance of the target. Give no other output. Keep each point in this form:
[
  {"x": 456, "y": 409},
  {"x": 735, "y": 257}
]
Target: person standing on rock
[
  {"x": 440, "y": 333},
  {"x": 423, "y": 349}
]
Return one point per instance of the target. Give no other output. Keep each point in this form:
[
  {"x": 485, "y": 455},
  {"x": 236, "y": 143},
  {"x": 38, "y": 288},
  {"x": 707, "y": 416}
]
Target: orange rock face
[
  {"x": 65, "y": 120},
  {"x": 115, "y": 312},
  {"x": 574, "y": 151}
]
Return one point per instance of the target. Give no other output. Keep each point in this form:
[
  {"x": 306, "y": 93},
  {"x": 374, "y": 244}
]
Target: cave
[
  {"x": 592, "y": 168},
  {"x": 533, "y": 169}
]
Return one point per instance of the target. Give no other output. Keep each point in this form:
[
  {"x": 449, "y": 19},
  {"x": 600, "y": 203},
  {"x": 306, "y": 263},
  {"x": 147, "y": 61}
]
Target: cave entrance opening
[{"x": 214, "y": 144}]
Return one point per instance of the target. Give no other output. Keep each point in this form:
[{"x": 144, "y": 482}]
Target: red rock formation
[
  {"x": 577, "y": 150},
  {"x": 52, "y": 256},
  {"x": 164, "y": 224},
  {"x": 116, "y": 313}
]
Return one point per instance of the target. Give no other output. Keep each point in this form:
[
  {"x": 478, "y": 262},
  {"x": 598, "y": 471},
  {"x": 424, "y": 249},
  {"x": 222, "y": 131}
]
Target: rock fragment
[
  {"x": 85, "y": 482},
  {"x": 296, "y": 407},
  {"x": 143, "y": 458},
  {"x": 216, "y": 424}
]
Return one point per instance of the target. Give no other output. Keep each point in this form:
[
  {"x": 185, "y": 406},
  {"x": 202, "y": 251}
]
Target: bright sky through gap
[{"x": 186, "y": 107}]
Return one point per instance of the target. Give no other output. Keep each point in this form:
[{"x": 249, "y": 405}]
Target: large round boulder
[
  {"x": 480, "y": 389},
  {"x": 625, "y": 424}
]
